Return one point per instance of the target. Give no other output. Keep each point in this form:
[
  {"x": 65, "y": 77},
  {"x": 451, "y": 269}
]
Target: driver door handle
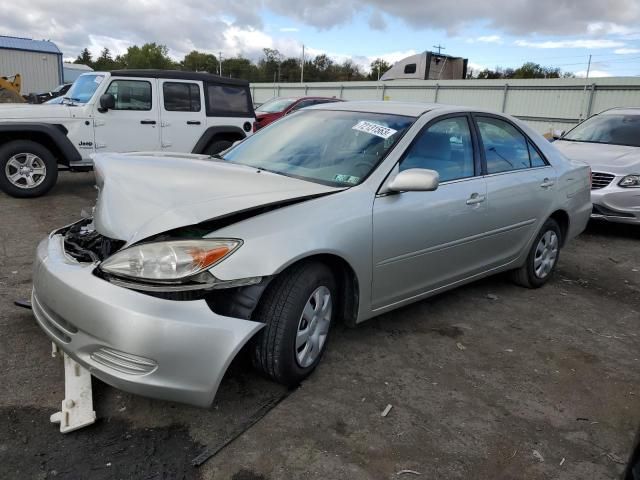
[
  {"x": 148, "y": 122},
  {"x": 476, "y": 198},
  {"x": 546, "y": 183}
]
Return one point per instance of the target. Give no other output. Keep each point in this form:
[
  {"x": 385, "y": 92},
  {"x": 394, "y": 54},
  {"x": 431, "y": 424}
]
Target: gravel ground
[{"x": 487, "y": 381}]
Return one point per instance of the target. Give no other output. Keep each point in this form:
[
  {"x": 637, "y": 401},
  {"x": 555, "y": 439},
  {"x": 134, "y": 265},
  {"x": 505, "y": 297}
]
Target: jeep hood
[
  {"x": 601, "y": 157},
  {"x": 28, "y": 112},
  {"x": 144, "y": 194}
]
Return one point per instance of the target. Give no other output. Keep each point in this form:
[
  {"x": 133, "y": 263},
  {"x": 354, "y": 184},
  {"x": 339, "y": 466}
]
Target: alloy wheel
[{"x": 25, "y": 170}]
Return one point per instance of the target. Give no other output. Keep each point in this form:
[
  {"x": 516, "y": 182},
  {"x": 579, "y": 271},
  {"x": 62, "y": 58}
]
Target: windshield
[
  {"x": 328, "y": 147},
  {"x": 275, "y": 105},
  {"x": 84, "y": 87},
  {"x": 615, "y": 129}
]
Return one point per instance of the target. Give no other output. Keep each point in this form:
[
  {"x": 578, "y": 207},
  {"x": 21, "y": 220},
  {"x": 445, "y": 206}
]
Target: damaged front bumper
[{"x": 171, "y": 350}]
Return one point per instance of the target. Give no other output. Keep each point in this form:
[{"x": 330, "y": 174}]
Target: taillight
[
  {"x": 590, "y": 178},
  {"x": 255, "y": 127}
]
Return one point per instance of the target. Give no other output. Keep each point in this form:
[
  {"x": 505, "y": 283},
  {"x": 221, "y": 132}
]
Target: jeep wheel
[
  {"x": 27, "y": 169},
  {"x": 218, "y": 146}
]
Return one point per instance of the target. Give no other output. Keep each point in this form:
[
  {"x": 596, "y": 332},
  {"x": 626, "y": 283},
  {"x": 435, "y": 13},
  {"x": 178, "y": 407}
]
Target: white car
[
  {"x": 610, "y": 143},
  {"x": 120, "y": 111}
]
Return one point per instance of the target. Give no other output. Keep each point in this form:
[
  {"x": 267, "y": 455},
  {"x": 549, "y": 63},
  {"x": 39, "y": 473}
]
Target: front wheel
[
  {"x": 542, "y": 258},
  {"x": 298, "y": 308},
  {"x": 27, "y": 169},
  {"x": 218, "y": 146}
]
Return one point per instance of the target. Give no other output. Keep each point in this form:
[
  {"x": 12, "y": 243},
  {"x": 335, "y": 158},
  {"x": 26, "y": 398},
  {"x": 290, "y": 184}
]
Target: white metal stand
[{"x": 77, "y": 406}]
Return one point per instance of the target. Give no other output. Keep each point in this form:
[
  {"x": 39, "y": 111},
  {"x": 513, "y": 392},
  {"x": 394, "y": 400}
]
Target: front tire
[
  {"x": 542, "y": 258},
  {"x": 298, "y": 308},
  {"x": 27, "y": 169}
]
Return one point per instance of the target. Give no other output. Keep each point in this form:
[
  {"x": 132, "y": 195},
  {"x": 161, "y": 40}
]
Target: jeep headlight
[
  {"x": 630, "y": 181},
  {"x": 169, "y": 261}
]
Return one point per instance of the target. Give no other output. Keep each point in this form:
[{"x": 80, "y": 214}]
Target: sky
[{"x": 490, "y": 33}]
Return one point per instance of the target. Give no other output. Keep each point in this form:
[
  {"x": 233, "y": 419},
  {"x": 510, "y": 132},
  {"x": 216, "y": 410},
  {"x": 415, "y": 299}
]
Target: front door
[
  {"x": 183, "y": 116},
  {"x": 134, "y": 123},
  {"x": 426, "y": 240}
]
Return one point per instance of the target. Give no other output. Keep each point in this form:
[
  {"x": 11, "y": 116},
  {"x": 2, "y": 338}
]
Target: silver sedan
[
  {"x": 610, "y": 143},
  {"x": 336, "y": 213}
]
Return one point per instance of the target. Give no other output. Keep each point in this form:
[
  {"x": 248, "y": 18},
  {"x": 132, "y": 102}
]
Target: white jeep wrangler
[{"x": 120, "y": 111}]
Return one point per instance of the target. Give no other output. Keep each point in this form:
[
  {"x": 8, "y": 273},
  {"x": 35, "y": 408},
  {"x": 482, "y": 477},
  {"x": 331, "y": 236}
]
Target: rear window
[{"x": 228, "y": 101}]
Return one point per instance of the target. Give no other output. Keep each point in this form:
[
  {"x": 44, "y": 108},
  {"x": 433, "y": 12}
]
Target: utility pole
[
  {"x": 588, "y": 68},
  {"x": 220, "y": 63},
  {"x": 302, "y": 66},
  {"x": 439, "y": 47},
  {"x": 378, "y": 71}
]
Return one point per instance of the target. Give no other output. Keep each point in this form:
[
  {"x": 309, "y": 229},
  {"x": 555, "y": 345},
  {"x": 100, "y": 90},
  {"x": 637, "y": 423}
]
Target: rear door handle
[
  {"x": 194, "y": 122},
  {"x": 475, "y": 199},
  {"x": 148, "y": 122},
  {"x": 546, "y": 183}
]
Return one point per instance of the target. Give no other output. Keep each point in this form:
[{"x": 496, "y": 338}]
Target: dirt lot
[{"x": 487, "y": 381}]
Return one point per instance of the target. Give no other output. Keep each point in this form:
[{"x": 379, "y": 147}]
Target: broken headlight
[{"x": 169, "y": 261}]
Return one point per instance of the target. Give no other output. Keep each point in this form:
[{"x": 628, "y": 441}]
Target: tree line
[{"x": 273, "y": 66}]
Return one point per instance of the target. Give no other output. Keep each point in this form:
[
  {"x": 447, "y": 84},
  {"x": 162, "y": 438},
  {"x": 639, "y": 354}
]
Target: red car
[{"x": 281, "y": 106}]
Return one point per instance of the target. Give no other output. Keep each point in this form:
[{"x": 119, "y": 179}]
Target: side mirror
[
  {"x": 415, "y": 180},
  {"x": 107, "y": 102}
]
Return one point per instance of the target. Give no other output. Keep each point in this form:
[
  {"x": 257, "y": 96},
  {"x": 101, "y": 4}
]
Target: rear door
[
  {"x": 183, "y": 120},
  {"x": 134, "y": 123},
  {"x": 520, "y": 185}
]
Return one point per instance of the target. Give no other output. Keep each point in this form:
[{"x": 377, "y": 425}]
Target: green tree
[
  {"x": 200, "y": 62},
  {"x": 149, "y": 55},
  {"x": 85, "y": 58},
  {"x": 239, "y": 67},
  {"x": 106, "y": 62},
  {"x": 378, "y": 68}
]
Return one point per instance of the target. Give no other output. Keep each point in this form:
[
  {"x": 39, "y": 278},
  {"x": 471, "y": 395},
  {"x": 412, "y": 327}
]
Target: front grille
[
  {"x": 600, "y": 180},
  {"x": 123, "y": 362}
]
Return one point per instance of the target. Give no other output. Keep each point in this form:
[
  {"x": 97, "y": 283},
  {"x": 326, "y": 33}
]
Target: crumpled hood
[
  {"x": 616, "y": 159},
  {"x": 31, "y": 113},
  {"x": 145, "y": 194}
]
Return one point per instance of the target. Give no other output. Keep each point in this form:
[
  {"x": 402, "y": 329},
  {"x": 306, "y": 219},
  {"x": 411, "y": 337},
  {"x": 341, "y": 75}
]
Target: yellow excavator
[{"x": 10, "y": 89}]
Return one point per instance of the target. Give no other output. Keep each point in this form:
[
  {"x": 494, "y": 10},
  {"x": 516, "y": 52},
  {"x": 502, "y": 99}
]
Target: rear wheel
[
  {"x": 298, "y": 308},
  {"x": 543, "y": 257},
  {"x": 27, "y": 169},
  {"x": 218, "y": 146}
]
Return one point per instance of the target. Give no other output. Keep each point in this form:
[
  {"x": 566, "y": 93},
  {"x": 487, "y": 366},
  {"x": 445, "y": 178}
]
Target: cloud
[
  {"x": 519, "y": 17},
  {"x": 486, "y": 39},
  {"x": 377, "y": 21},
  {"x": 593, "y": 73},
  {"x": 583, "y": 43},
  {"x": 626, "y": 51}
]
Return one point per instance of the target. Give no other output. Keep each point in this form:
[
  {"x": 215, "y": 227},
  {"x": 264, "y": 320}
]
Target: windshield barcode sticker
[{"x": 374, "y": 129}]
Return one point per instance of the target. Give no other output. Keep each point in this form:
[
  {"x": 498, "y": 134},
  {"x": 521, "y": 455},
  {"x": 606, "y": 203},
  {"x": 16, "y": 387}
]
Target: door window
[
  {"x": 181, "y": 97},
  {"x": 445, "y": 147},
  {"x": 505, "y": 148},
  {"x": 131, "y": 94}
]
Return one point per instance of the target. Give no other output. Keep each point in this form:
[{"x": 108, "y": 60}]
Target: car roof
[
  {"x": 380, "y": 106},
  {"x": 622, "y": 111},
  {"x": 179, "y": 75}
]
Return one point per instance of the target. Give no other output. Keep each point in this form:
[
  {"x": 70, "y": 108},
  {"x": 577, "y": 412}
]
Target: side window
[
  {"x": 536, "y": 159},
  {"x": 445, "y": 147},
  {"x": 411, "y": 68},
  {"x": 181, "y": 97},
  {"x": 131, "y": 94},
  {"x": 228, "y": 100},
  {"x": 505, "y": 148}
]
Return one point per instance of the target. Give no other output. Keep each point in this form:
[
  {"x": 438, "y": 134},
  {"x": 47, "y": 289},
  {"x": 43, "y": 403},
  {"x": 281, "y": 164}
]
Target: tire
[
  {"x": 22, "y": 158},
  {"x": 542, "y": 258},
  {"x": 277, "y": 351},
  {"x": 218, "y": 146}
]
